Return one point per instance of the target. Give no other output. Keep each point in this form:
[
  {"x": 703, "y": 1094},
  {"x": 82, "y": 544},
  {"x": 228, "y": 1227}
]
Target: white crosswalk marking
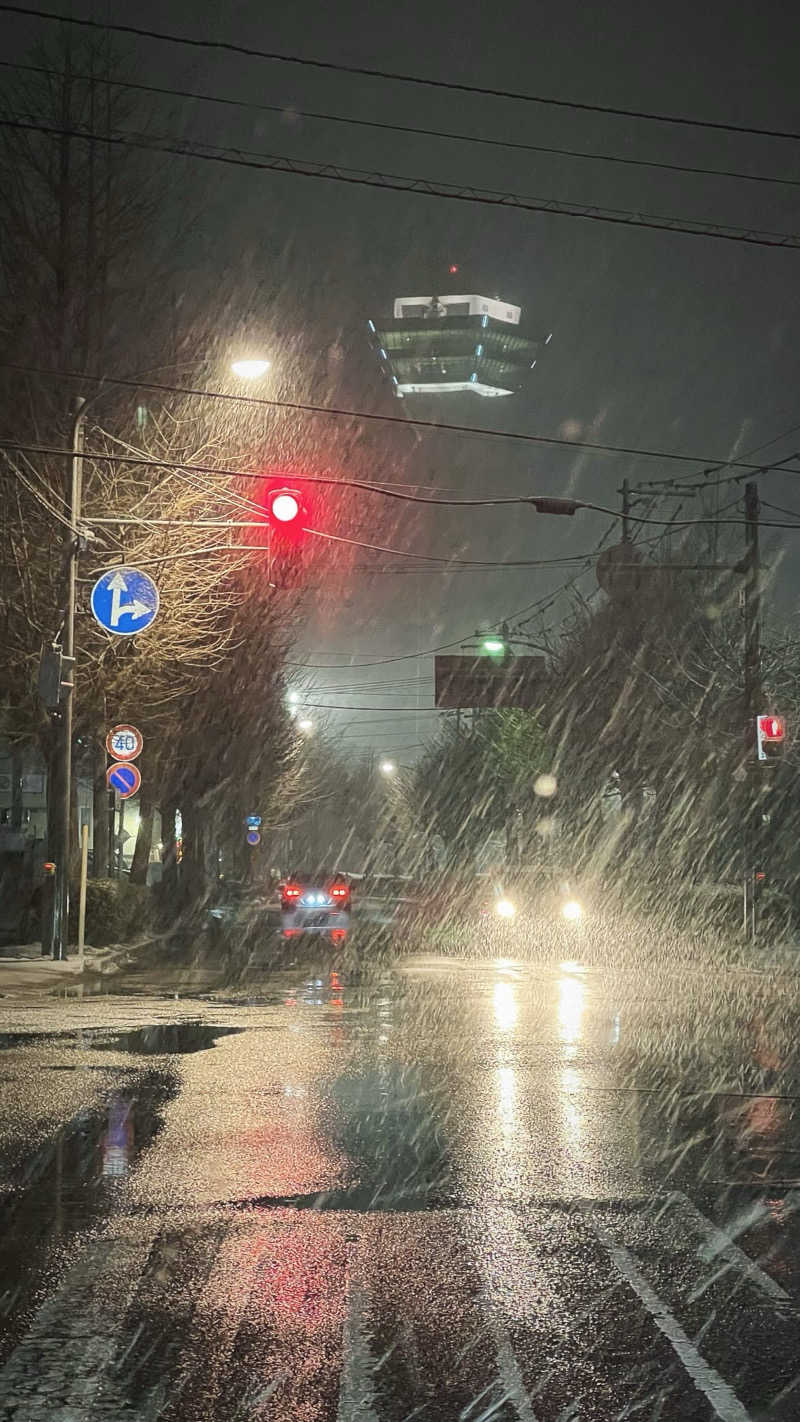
[
  {"x": 720, "y": 1394},
  {"x": 357, "y": 1400},
  {"x": 721, "y": 1245},
  {"x": 511, "y": 1377}
]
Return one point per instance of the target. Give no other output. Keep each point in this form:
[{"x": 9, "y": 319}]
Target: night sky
[{"x": 660, "y": 340}]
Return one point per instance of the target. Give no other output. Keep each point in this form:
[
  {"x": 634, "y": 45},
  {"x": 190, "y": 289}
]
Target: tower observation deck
[{"x": 442, "y": 345}]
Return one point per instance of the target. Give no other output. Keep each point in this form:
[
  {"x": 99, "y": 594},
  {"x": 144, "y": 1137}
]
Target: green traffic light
[{"x": 495, "y": 646}]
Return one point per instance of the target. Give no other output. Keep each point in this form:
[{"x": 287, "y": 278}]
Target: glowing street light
[
  {"x": 387, "y": 767},
  {"x": 305, "y": 725},
  {"x": 250, "y": 369}
]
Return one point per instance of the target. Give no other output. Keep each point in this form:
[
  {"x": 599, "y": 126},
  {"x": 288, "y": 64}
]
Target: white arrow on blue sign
[{"x": 124, "y": 601}]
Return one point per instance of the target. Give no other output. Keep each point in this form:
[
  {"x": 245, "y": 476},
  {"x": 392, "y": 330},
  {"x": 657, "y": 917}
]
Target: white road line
[
  {"x": 722, "y": 1245},
  {"x": 706, "y": 1379},
  {"x": 511, "y": 1377},
  {"x": 357, "y": 1399}
]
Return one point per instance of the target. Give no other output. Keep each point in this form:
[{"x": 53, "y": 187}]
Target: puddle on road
[
  {"x": 167, "y": 1040},
  {"x": 164, "y": 1039},
  {"x": 71, "y": 1186}
]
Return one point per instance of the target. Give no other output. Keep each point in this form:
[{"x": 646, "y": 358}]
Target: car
[
  {"x": 315, "y": 903},
  {"x": 531, "y": 902}
]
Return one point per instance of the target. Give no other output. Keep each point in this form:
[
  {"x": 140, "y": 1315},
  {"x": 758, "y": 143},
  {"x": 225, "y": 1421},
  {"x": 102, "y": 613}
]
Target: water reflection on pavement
[{"x": 453, "y": 1188}]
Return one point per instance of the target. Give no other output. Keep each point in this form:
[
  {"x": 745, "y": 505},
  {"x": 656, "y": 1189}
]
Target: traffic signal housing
[
  {"x": 287, "y": 516},
  {"x": 770, "y": 737}
]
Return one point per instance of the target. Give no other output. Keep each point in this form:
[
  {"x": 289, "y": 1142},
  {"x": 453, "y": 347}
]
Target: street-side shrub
[{"x": 116, "y": 911}]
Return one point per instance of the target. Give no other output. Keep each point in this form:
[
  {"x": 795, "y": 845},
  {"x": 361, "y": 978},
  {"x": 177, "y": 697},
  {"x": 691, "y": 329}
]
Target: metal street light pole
[
  {"x": 752, "y": 699},
  {"x": 61, "y": 854},
  {"x": 248, "y": 370}
]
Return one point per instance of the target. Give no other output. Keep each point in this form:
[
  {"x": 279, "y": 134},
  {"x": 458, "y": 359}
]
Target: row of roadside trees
[
  {"x": 636, "y": 770},
  {"x": 95, "y": 280}
]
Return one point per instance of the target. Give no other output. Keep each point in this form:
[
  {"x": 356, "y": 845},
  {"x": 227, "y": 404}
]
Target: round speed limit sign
[{"x": 124, "y": 742}]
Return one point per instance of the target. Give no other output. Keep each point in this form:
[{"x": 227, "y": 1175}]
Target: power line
[
  {"x": 422, "y": 187},
  {"x": 689, "y": 485},
  {"x": 344, "y": 413},
  {"x": 426, "y": 651},
  {"x": 406, "y": 710},
  {"x": 455, "y": 562},
  {"x": 411, "y": 130},
  {"x": 363, "y": 71},
  {"x": 793, "y": 513},
  {"x": 531, "y": 499},
  {"x": 542, "y": 604}
]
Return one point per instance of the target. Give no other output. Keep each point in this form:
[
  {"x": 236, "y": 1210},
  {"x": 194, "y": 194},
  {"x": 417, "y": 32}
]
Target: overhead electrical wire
[
  {"x": 793, "y": 513},
  {"x": 341, "y": 413},
  {"x": 690, "y": 485},
  {"x": 396, "y": 76},
  {"x": 419, "y": 186},
  {"x": 409, "y": 130},
  {"x": 406, "y": 710},
  {"x": 454, "y": 561}
]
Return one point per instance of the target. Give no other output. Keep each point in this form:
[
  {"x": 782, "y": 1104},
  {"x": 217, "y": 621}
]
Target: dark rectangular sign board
[{"x": 479, "y": 681}]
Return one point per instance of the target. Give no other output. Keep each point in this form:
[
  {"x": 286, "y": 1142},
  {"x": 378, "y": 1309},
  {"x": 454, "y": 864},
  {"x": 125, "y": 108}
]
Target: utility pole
[
  {"x": 752, "y": 694},
  {"x": 61, "y": 850},
  {"x": 626, "y": 509}
]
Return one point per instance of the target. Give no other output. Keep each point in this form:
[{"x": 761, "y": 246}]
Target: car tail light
[
  {"x": 338, "y": 935},
  {"x": 340, "y": 891},
  {"x": 292, "y": 891}
]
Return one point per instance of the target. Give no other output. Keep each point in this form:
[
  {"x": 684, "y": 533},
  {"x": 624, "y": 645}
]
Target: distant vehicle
[
  {"x": 315, "y": 903},
  {"x": 524, "y": 905}
]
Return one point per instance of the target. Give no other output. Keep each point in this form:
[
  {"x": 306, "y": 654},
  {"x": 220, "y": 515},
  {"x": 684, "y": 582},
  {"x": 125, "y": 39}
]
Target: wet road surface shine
[{"x": 462, "y": 1190}]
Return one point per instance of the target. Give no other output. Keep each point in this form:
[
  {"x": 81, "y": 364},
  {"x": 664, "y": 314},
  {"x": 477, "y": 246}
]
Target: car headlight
[
  {"x": 505, "y": 909},
  {"x": 572, "y": 910}
]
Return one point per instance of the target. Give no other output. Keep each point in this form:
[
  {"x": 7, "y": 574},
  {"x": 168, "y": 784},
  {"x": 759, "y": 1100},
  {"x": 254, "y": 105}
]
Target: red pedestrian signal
[{"x": 770, "y": 736}]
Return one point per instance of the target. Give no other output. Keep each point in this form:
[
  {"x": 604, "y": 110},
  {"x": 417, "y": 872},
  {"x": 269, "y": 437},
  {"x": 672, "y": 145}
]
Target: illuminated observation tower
[{"x": 445, "y": 345}]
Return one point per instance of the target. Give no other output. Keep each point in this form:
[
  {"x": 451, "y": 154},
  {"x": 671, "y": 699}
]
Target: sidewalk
[{"x": 22, "y": 968}]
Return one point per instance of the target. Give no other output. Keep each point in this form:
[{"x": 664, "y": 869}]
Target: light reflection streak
[
  {"x": 571, "y": 1003},
  {"x": 506, "y": 1010},
  {"x": 507, "y": 1098}
]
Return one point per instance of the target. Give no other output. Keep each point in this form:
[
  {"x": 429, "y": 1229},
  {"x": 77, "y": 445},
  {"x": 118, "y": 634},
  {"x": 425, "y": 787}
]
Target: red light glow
[
  {"x": 284, "y": 506},
  {"x": 453, "y": 268},
  {"x": 771, "y": 728}
]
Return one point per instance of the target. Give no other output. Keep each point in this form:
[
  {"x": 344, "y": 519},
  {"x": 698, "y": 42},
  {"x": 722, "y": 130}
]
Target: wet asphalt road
[{"x": 454, "y": 1190}]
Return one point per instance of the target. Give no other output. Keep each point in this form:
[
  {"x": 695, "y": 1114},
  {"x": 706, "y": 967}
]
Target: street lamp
[
  {"x": 251, "y": 368},
  {"x": 387, "y": 767},
  {"x": 305, "y": 725}
]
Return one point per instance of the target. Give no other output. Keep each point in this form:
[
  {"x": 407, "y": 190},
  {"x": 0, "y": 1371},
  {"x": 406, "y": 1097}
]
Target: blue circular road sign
[
  {"x": 124, "y": 778},
  {"x": 124, "y": 601},
  {"x": 254, "y": 837}
]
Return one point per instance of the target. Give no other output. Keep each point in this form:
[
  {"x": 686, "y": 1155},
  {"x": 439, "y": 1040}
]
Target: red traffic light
[
  {"x": 770, "y": 737},
  {"x": 771, "y": 728},
  {"x": 284, "y": 507}
]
